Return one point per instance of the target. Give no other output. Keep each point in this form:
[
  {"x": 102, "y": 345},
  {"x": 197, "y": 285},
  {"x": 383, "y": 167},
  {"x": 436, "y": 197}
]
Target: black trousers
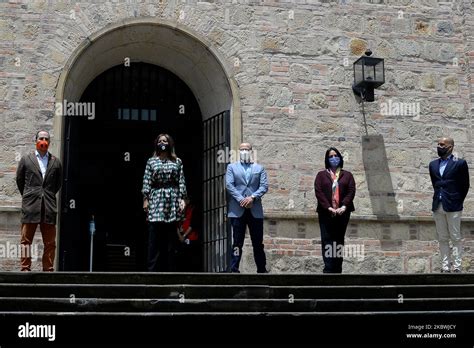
[
  {"x": 162, "y": 247},
  {"x": 239, "y": 226},
  {"x": 333, "y": 231}
]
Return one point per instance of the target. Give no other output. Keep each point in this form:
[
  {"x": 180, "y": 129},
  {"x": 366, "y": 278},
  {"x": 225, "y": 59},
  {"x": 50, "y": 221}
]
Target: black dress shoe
[{"x": 457, "y": 270}]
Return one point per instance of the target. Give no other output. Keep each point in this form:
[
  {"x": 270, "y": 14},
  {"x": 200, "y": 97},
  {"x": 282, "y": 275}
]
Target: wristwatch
[{"x": 253, "y": 197}]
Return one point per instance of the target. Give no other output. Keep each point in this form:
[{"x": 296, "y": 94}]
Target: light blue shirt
[
  {"x": 43, "y": 162},
  {"x": 247, "y": 169},
  {"x": 442, "y": 166}
]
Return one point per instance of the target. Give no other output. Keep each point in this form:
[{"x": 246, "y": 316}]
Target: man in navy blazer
[
  {"x": 246, "y": 183},
  {"x": 450, "y": 179}
]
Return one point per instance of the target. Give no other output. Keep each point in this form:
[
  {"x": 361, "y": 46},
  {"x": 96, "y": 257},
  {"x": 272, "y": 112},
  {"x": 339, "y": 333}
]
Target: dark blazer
[
  {"x": 34, "y": 189},
  {"x": 323, "y": 190},
  {"x": 453, "y": 185}
]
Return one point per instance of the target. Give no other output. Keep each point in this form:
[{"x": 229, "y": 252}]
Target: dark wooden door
[{"x": 105, "y": 157}]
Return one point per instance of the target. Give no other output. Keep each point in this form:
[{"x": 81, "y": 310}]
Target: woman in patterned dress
[{"x": 164, "y": 190}]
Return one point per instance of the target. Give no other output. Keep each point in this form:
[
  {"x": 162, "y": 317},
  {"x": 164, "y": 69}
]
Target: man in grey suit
[
  {"x": 246, "y": 183},
  {"x": 39, "y": 178}
]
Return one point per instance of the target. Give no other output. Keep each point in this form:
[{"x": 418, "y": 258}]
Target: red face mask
[{"x": 42, "y": 145}]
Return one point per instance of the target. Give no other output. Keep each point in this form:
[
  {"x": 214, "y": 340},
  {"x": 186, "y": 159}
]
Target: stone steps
[
  {"x": 278, "y": 304},
  {"x": 172, "y": 291},
  {"x": 219, "y": 305},
  {"x": 230, "y": 279}
]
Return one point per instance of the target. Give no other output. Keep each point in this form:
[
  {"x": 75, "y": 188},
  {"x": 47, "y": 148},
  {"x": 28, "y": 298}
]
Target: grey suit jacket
[
  {"x": 238, "y": 188},
  {"x": 35, "y": 190}
]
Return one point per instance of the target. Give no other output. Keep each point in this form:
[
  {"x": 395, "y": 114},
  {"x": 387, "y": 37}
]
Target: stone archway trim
[{"x": 82, "y": 50}]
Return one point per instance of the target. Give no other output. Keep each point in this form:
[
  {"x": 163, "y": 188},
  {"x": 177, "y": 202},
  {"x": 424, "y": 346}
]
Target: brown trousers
[{"x": 48, "y": 232}]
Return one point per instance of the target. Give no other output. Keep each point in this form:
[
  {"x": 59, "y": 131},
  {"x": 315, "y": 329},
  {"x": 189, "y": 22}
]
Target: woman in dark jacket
[{"x": 335, "y": 191}]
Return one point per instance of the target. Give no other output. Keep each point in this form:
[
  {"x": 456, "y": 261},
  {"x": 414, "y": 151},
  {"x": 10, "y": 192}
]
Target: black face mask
[
  {"x": 162, "y": 148},
  {"x": 442, "y": 151}
]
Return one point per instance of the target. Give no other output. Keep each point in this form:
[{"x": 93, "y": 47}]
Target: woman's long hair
[
  {"x": 170, "y": 153},
  {"x": 326, "y": 157}
]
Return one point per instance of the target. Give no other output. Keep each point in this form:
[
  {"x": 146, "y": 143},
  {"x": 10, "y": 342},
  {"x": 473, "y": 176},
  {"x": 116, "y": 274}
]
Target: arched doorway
[
  {"x": 193, "y": 60},
  {"x": 105, "y": 156}
]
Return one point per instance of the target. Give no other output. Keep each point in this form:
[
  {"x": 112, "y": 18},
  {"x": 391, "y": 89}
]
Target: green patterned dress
[{"x": 164, "y": 186}]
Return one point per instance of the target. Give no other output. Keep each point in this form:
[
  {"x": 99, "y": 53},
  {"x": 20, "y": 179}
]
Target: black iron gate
[
  {"x": 216, "y": 227},
  {"x": 105, "y": 158}
]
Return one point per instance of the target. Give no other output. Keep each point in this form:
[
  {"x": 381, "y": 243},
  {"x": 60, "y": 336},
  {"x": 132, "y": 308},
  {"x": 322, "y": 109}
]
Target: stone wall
[
  {"x": 294, "y": 246},
  {"x": 292, "y": 62}
]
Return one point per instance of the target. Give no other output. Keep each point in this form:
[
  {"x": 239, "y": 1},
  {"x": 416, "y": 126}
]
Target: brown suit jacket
[
  {"x": 35, "y": 190},
  {"x": 323, "y": 190}
]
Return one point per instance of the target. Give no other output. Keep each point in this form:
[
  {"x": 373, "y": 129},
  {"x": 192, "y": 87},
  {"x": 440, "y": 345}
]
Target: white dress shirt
[{"x": 43, "y": 162}]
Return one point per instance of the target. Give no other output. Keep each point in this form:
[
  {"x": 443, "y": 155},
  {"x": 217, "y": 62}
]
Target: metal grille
[{"x": 216, "y": 227}]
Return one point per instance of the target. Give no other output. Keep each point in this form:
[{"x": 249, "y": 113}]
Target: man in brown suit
[{"x": 39, "y": 178}]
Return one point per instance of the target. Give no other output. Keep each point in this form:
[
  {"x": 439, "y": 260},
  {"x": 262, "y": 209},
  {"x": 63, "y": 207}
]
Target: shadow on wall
[{"x": 379, "y": 181}]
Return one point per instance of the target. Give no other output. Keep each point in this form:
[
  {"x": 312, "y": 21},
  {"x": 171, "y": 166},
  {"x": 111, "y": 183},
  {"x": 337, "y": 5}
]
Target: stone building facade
[{"x": 283, "y": 69}]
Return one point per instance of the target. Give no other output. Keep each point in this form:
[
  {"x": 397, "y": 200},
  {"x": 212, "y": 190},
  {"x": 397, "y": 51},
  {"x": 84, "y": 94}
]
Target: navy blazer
[{"x": 453, "y": 185}]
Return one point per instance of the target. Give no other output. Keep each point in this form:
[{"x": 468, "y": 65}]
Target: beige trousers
[{"x": 448, "y": 227}]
